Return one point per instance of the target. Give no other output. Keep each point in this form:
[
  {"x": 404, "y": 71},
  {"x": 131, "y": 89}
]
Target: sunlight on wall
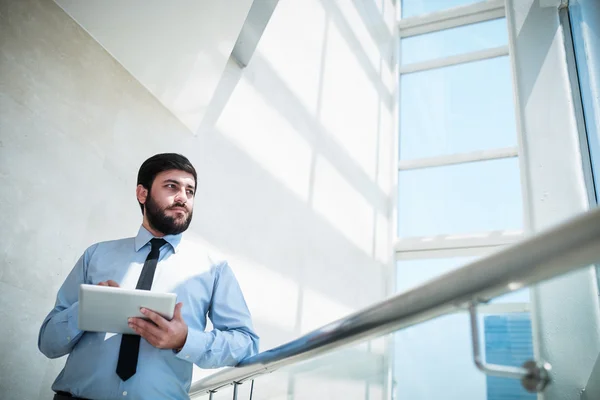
[
  {"x": 382, "y": 246},
  {"x": 344, "y": 207},
  {"x": 260, "y": 286},
  {"x": 261, "y": 131},
  {"x": 387, "y": 10},
  {"x": 276, "y": 293},
  {"x": 387, "y": 162},
  {"x": 319, "y": 310},
  {"x": 294, "y": 43},
  {"x": 350, "y": 103},
  {"x": 367, "y": 43},
  {"x": 185, "y": 100}
]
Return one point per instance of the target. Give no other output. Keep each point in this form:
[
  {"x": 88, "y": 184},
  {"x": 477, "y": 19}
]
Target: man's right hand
[{"x": 109, "y": 282}]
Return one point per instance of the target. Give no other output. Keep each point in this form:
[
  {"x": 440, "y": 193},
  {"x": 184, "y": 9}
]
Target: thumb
[{"x": 177, "y": 312}]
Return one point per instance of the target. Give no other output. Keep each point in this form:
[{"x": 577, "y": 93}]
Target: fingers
[
  {"x": 148, "y": 331},
  {"x": 165, "y": 334},
  {"x": 177, "y": 312},
  {"x": 110, "y": 283},
  {"x": 156, "y": 318}
]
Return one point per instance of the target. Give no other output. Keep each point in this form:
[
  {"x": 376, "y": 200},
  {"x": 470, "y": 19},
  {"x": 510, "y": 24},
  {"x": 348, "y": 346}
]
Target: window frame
[{"x": 451, "y": 245}]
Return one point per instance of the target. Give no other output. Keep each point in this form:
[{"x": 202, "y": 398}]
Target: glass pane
[
  {"x": 411, "y": 8},
  {"x": 433, "y": 360},
  {"x": 413, "y": 273},
  {"x": 356, "y": 373},
  {"x": 586, "y": 25},
  {"x": 457, "y": 109},
  {"x": 464, "y": 198},
  {"x": 450, "y": 42}
]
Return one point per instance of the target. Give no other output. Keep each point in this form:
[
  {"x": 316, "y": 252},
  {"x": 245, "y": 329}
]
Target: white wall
[
  {"x": 176, "y": 49},
  {"x": 295, "y": 174}
]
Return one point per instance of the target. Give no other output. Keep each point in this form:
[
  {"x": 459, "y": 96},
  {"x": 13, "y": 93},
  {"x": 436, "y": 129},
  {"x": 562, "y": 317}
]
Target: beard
[{"x": 159, "y": 220}]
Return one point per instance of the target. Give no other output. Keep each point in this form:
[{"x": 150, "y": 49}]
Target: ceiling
[{"x": 177, "y": 50}]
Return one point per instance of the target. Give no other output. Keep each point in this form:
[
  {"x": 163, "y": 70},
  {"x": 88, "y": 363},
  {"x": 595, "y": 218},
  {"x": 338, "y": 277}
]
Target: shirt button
[
  {"x": 125, "y": 393},
  {"x": 188, "y": 356},
  {"x": 69, "y": 338}
]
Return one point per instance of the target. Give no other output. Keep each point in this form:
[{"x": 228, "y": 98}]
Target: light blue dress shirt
[{"x": 205, "y": 286}]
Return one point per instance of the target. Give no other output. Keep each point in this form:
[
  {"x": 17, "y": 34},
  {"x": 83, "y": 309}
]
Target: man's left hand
[{"x": 163, "y": 334}]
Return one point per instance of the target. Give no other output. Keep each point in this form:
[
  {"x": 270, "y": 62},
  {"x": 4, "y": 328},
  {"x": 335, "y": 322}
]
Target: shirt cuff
[
  {"x": 195, "y": 346},
  {"x": 72, "y": 321}
]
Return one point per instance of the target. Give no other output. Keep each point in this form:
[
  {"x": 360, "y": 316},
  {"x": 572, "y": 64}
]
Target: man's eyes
[{"x": 173, "y": 186}]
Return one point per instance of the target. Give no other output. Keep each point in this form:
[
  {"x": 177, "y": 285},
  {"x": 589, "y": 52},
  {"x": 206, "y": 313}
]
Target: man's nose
[{"x": 181, "y": 197}]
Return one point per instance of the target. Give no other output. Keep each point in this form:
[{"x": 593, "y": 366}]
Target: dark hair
[{"x": 160, "y": 163}]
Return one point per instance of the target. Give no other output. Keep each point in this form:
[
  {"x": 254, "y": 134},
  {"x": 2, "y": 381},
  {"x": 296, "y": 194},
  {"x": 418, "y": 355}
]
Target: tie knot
[{"x": 157, "y": 243}]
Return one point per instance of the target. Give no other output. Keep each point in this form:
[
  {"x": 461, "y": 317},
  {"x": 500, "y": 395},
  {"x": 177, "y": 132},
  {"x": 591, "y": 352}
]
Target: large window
[
  {"x": 458, "y": 177},
  {"x": 411, "y": 8},
  {"x": 584, "y": 22}
]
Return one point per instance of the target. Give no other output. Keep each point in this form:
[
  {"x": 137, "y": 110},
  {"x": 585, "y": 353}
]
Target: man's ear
[{"x": 142, "y": 193}]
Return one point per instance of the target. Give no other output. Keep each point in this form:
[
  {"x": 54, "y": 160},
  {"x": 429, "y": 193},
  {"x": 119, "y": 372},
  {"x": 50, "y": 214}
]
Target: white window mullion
[
  {"x": 452, "y": 159},
  {"x": 458, "y": 16},
  {"x": 479, "y": 55},
  {"x": 446, "y": 253},
  {"x": 468, "y": 242}
]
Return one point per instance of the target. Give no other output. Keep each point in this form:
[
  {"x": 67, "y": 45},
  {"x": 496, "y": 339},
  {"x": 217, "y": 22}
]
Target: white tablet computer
[{"x": 106, "y": 309}]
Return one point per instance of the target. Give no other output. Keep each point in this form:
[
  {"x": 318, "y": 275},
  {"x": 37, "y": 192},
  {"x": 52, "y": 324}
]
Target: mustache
[{"x": 174, "y": 205}]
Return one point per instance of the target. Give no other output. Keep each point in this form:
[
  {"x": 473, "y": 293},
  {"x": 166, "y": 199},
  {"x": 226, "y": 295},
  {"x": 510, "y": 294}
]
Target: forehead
[{"x": 181, "y": 177}]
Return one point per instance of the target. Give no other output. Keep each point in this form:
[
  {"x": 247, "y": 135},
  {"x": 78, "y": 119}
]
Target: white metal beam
[
  {"x": 458, "y": 16},
  {"x": 455, "y": 60},
  {"x": 452, "y": 159},
  {"x": 487, "y": 240},
  {"x": 446, "y": 253}
]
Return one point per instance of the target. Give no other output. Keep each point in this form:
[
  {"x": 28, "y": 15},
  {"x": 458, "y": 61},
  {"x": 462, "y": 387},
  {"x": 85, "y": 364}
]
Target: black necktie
[{"x": 130, "y": 344}]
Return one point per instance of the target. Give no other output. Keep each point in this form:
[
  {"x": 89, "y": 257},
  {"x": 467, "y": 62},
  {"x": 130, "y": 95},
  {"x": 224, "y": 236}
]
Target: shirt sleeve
[
  {"x": 233, "y": 338},
  {"x": 59, "y": 333}
]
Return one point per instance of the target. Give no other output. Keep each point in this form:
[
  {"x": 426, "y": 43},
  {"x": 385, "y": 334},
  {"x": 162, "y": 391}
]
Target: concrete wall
[{"x": 295, "y": 173}]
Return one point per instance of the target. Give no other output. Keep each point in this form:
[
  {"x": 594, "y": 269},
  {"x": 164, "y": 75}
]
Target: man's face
[{"x": 170, "y": 202}]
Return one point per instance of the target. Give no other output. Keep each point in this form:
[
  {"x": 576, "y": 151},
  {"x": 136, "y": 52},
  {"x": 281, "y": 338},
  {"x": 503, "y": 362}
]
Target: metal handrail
[{"x": 565, "y": 248}]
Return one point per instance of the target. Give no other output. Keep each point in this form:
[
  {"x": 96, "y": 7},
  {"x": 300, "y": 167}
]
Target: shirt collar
[{"x": 143, "y": 237}]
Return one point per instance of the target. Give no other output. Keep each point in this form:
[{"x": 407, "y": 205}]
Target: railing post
[
  {"x": 235, "y": 390},
  {"x": 534, "y": 376}
]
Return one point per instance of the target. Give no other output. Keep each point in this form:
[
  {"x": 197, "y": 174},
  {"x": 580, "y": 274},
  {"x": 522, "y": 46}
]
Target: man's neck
[{"x": 153, "y": 231}]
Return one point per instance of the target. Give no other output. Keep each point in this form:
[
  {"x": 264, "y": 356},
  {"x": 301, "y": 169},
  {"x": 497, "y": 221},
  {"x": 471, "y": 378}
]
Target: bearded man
[{"x": 156, "y": 363}]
